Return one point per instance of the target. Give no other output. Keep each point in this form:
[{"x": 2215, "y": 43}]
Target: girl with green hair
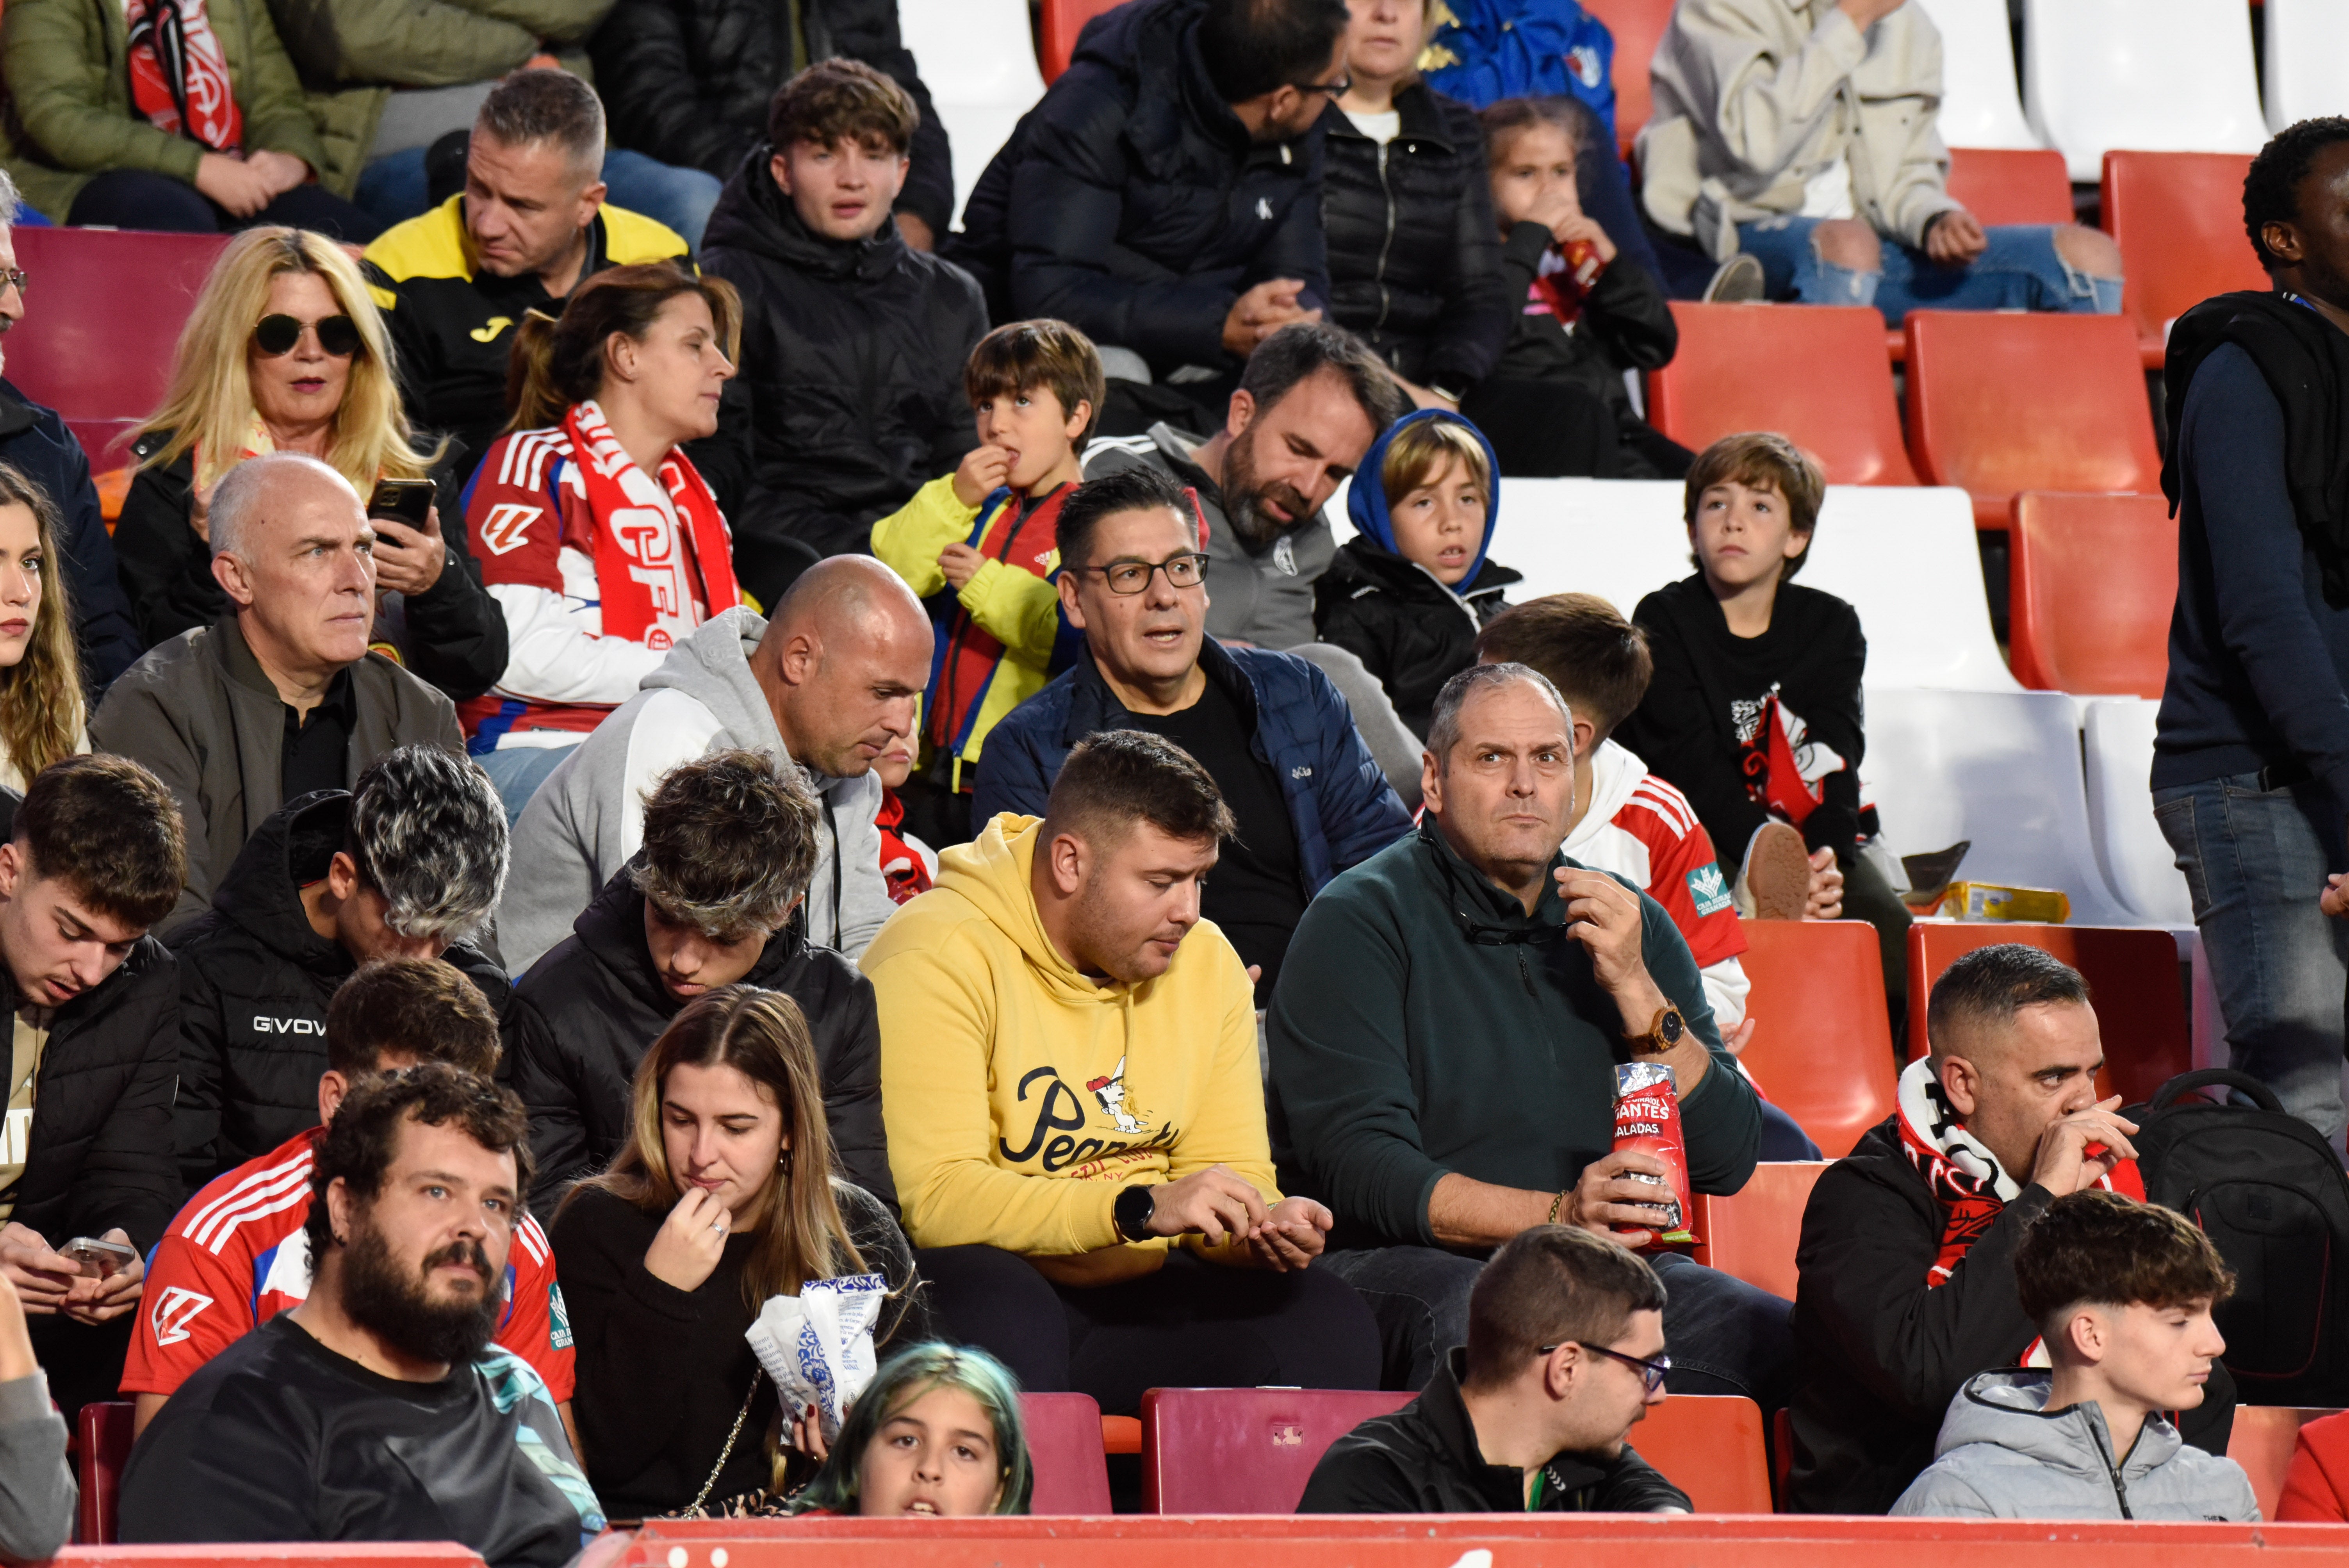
[{"x": 937, "y": 1434}]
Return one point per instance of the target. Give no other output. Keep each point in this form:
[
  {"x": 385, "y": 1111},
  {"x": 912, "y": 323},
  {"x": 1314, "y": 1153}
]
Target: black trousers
[
  {"x": 140, "y": 199},
  {"x": 1191, "y": 1325},
  {"x": 83, "y": 1360}
]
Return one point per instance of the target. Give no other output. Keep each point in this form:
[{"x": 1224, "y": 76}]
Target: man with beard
[
  {"x": 1269, "y": 728},
  {"x": 377, "y": 1410},
  {"x": 1309, "y": 403}
]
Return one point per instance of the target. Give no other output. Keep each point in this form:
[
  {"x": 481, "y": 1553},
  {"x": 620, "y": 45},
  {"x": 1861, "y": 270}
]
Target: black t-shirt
[
  {"x": 279, "y": 1438},
  {"x": 317, "y": 749},
  {"x": 1256, "y": 892}
]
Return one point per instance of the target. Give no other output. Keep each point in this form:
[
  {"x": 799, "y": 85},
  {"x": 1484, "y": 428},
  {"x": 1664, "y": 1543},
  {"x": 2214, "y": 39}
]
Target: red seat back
[
  {"x": 2133, "y": 983},
  {"x": 2095, "y": 580},
  {"x": 2011, "y": 185},
  {"x": 103, "y": 314},
  {"x": 1822, "y": 1046},
  {"x": 1244, "y": 1450},
  {"x": 1638, "y": 27},
  {"x": 2001, "y": 402},
  {"x": 2263, "y": 1442},
  {"x": 1710, "y": 1446},
  {"x": 1752, "y": 1234},
  {"x": 2178, "y": 218},
  {"x": 102, "y": 1442},
  {"x": 1817, "y": 373},
  {"x": 1057, "y": 26},
  {"x": 1064, "y": 1444}
]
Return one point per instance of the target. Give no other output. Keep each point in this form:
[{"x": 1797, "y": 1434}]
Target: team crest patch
[
  {"x": 558, "y": 1319},
  {"x": 1706, "y": 887},
  {"x": 173, "y": 1310}
]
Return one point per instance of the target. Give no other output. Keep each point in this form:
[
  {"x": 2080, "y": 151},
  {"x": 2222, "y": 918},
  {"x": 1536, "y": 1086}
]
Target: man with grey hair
[
  {"x": 283, "y": 695},
  {"x": 730, "y": 842},
  {"x": 455, "y": 283},
  {"x": 1444, "y": 1042},
  {"x": 36, "y": 441},
  {"x": 407, "y": 864}
]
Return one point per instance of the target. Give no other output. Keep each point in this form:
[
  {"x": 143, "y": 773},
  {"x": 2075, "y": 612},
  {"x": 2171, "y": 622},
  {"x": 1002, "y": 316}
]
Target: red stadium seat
[
  {"x": 1057, "y": 26},
  {"x": 2095, "y": 578},
  {"x": 1244, "y": 1450},
  {"x": 1817, "y": 373},
  {"x": 2178, "y": 218},
  {"x": 2005, "y": 402},
  {"x": 2263, "y": 1442},
  {"x": 1064, "y": 1443},
  {"x": 105, "y": 310},
  {"x": 1822, "y": 1046},
  {"x": 2132, "y": 982},
  {"x": 1751, "y": 1234},
  {"x": 2011, "y": 185},
  {"x": 1638, "y": 27},
  {"x": 102, "y": 1444},
  {"x": 1710, "y": 1446}
]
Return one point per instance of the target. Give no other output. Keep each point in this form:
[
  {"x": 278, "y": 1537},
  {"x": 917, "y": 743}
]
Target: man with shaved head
[
  {"x": 280, "y": 696},
  {"x": 829, "y": 682}
]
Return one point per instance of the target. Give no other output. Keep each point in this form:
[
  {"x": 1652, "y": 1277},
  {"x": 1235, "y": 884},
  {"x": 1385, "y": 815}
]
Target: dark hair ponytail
[{"x": 557, "y": 362}]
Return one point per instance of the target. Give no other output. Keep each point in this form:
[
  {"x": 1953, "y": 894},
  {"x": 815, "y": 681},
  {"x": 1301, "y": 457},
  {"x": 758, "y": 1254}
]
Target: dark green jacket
[
  {"x": 69, "y": 117},
  {"x": 1425, "y": 1023}
]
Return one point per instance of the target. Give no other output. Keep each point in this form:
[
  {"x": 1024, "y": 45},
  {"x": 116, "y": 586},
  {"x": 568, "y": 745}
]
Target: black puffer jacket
[
  {"x": 1131, "y": 203},
  {"x": 100, "y": 1151},
  {"x": 851, "y": 397},
  {"x": 1405, "y": 626},
  {"x": 35, "y": 440},
  {"x": 455, "y": 633},
  {"x": 689, "y": 81},
  {"x": 1415, "y": 257},
  {"x": 254, "y": 983},
  {"x": 585, "y": 1014}
]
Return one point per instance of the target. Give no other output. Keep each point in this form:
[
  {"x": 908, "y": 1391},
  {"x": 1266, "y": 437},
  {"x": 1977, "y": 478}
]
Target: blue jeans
[
  {"x": 2255, "y": 860},
  {"x": 1725, "y": 1337},
  {"x": 517, "y": 771},
  {"x": 2019, "y": 269},
  {"x": 393, "y": 189}
]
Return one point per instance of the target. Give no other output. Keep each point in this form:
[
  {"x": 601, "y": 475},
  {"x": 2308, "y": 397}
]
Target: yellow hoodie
[{"x": 1020, "y": 1098}]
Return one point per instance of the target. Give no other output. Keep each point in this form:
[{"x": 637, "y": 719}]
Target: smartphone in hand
[
  {"x": 402, "y": 500},
  {"x": 99, "y": 1259}
]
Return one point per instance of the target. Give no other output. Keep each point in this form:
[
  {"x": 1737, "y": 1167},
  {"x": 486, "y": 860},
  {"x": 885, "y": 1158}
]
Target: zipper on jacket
[
  {"x": 1386, "y": 244},
  {"x": 2113, "y": 1469},
  {"x": 1525, "y": 973}
]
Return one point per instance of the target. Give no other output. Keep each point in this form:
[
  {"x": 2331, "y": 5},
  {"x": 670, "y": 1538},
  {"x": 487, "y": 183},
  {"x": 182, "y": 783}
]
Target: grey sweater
[
  {"x": 2002, "y": 1454},
  {"x": 588, "y": 819},
  {"x": 38, "y": 1494}
]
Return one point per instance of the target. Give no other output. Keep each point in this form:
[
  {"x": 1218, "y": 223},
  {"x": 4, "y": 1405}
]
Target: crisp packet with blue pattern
[{"x": 818, "y": 1345}]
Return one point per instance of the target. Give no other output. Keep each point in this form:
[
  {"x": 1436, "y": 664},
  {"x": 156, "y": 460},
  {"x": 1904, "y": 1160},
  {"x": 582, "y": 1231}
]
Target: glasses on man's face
[
  {"x": 14, "y": 277},
  {"x": 1339, "y": 88},
  {"x": 278, "y": 336},
  {"x": 1187, "y": 570},
  {"x": 1651, "y": 1372}
]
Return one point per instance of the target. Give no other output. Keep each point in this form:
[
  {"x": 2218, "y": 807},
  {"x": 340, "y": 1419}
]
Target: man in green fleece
[{"x": 1443, "y": 1041}]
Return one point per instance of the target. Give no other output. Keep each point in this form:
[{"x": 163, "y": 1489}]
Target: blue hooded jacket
[
  {"x": 1366, "y": 499},
  {"x": 1493, "y": 50}
]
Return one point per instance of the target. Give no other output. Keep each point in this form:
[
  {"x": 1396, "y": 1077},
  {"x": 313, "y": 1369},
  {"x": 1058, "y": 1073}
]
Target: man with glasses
[
  {"x": 1565, "y": 1355},
  {"x": 1269, "y": 728}
]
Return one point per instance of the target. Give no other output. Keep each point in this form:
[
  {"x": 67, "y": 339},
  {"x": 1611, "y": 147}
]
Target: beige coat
[{"x": 1754, "y": 98}]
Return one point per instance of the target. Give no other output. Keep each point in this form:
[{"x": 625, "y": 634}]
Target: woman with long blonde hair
[
  {"x": 285, "y": 351},
  {"x": 723, "y": 1197},
  {"x": 41, "y": 714}
]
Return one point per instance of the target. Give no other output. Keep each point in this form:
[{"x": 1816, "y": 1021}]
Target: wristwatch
[
  {"x": 1132, "y": 1214},
  {"x": 1661, "y": 1036}
]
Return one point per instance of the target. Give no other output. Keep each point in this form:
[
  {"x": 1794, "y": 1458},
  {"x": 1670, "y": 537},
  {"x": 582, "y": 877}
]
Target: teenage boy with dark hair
[
  {"x": 408, "y": 864},
  {"x": 238, "y": 1253},
  {"x": 730, "y": 842},
  {"x": 379, "y": 1409},
  {"x": 1754, "y": 710},
  {"x": 2122, "y": 1294},
  {"x": 1565, "y": 1355},
  {"x": 980, "y": 545},
  {"x": 853, "y": 342},
  {"x": 97, "y": 856}
]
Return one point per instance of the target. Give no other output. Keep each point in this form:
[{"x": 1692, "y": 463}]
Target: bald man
[
  {"x": 280, "y": 696},
  {"x": 829, "y": 682}
]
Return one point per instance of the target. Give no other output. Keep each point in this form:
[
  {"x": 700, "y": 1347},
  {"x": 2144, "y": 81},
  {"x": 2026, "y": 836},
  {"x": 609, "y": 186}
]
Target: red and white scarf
[
  {"x": 179, "y": 73},
  {"x": 664, "y": 559}
]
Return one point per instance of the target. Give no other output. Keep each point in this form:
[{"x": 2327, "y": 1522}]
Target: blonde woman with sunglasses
[{"x": 287, "y": 351}]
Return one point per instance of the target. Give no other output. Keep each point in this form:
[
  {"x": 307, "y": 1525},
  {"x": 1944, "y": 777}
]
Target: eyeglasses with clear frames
[
  {"x": 1653, "y": 1372},
  {"x": 1187, "y": 570},
  {"x": 14, "y": 277}
]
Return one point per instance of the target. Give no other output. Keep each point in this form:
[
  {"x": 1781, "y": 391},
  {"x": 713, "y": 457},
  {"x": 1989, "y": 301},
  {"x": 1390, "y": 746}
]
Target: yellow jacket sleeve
[
  {"x": 1227, "y": 1123},
  {"x": 908, "y": 540},
  {"x": 1016, "y": 607}
]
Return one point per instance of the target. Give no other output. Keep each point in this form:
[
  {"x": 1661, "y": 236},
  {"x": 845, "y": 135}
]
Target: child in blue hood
[{"x": 1409, "y": 594}]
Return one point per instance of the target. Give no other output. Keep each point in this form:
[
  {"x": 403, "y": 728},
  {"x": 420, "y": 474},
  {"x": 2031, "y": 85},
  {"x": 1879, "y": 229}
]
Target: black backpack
[{"x": 2271, "y": 1195}]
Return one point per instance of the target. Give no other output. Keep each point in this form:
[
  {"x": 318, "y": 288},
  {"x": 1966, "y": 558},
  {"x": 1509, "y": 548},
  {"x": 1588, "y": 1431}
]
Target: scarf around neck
[{"x": 664, "y": 559}]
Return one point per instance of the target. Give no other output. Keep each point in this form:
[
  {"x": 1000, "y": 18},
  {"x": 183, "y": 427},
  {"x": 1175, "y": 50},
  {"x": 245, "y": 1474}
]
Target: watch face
[{"x": 1672, "y": 1029}]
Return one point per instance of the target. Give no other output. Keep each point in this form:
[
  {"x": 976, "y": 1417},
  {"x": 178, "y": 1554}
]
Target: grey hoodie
[
  {"x": 588, "y": 818},
  {"x": 2002, "y": 1454},
  {"x": 38, "y": 1495}
]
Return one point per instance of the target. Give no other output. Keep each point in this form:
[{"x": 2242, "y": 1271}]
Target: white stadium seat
[
  {"x": 2117, "y": 747},
  {"x": 977, "y": 58},
  {"x": 1980, "y": 105},
  {"x": 2307, "y": 60},
  {"x": 2145, "y": 76}
]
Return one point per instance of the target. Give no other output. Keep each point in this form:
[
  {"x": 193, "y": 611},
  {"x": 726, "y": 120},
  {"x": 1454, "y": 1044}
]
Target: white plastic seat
[
  {"x": 1980, "y": 104},
  {"x": 2119, "y": 753},
  {"x": 977, "y": 58},
  {"x": 2307, "y": 46},
  {"x": 2149, "y": 76}
]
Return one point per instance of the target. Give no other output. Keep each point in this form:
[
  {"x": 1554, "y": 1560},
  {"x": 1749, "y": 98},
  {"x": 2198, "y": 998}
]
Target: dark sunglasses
[{"x": 276, "y": 336}]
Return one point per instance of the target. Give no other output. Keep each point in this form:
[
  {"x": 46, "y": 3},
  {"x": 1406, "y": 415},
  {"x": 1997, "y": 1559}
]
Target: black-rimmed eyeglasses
[
  {"x": 1187, "y": 570},
  {"x": 1338, "y": 88},
  {"x": 1652, "y": 1371}
]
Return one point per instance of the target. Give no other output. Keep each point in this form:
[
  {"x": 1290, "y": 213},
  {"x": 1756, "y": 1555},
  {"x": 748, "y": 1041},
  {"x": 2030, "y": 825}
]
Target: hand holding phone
[{"x": 98, "y": 1258}]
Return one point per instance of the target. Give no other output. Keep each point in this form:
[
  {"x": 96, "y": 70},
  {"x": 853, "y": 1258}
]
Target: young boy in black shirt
[{"x": 1754, "y": 708}]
